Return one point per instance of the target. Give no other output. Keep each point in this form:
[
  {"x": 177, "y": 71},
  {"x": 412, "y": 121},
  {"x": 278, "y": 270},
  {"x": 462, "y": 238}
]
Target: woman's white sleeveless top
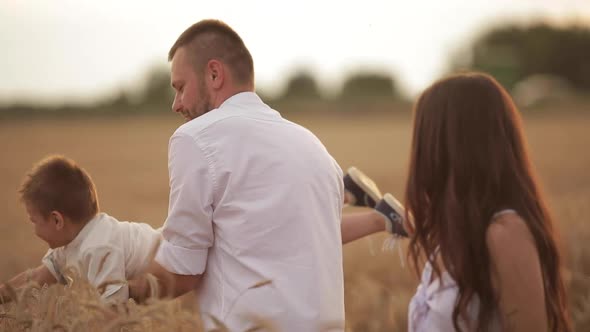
[{"x": 431, "y": 308}]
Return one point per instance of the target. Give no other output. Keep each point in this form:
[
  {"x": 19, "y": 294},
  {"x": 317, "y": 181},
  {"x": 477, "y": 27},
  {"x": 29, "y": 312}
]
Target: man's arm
[
  {"x": 40, "y": 275},
  {"x": 188, "y": 231},
  {"x": 168, "y": 284}
]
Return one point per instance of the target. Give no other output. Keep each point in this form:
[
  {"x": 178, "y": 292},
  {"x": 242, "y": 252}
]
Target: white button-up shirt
[
  {"x": 106, "y": 250},
  {"x": 254, "y": 197}
]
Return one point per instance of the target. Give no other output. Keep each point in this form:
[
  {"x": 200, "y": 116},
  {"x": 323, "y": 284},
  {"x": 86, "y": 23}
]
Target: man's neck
[{"x": 228, "y": 93}]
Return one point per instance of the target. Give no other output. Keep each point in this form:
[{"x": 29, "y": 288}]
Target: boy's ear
[{"x": 58, "y": 219}]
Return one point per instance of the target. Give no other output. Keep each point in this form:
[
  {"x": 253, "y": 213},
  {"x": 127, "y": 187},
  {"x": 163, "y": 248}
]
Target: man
[{"x": 255, "y": 200}]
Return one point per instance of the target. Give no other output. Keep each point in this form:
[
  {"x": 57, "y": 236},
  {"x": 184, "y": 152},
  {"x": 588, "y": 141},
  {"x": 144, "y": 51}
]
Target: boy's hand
[
  {"x": 40, "y": 275},
  {"x": 7, "y": 293}
]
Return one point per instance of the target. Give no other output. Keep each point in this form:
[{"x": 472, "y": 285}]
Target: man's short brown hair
[
  {"x": 57, "y": 183},
  {"x": 213, "y": 39}
]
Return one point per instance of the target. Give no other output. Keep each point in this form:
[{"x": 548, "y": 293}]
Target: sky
[{"x": 62, "y": 51}]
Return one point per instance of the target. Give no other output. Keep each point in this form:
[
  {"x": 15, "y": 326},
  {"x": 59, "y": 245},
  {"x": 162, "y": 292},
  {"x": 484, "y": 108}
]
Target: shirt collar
[{"x": 245, "y": 97}]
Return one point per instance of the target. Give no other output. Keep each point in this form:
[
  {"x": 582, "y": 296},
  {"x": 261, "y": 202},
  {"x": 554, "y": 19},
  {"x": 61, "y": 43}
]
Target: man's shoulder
[
  {"x": 232, "y": 113},
  {"x": 204, "y": 122}
]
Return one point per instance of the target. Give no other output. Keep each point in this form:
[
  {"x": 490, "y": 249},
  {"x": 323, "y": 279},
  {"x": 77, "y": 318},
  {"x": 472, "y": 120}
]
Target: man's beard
[{"x": 203, "y": 106}]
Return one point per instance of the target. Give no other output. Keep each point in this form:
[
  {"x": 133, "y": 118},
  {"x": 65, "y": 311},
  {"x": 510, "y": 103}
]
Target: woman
[
  {"x": 481, "y": 236},
  {"x": 481, "y": 228}
]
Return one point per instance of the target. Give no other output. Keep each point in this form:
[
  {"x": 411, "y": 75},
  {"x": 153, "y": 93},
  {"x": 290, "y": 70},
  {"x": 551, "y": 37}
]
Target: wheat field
[{"x": 126, "y": 157}]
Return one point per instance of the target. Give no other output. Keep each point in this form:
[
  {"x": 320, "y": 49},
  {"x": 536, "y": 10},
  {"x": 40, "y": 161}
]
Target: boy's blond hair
[{"x": 57, "y": 183}]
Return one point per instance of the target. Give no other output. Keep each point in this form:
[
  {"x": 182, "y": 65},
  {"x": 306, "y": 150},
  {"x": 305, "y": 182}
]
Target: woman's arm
[
  {"x": 357, "y": 225},
  {"x": 516, "y": 275}
]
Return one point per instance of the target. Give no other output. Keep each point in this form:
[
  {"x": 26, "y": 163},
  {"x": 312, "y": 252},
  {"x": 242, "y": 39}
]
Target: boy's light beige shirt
[
  {"x": 106, "y": 250},
  {"x": 255, "y": 197}
]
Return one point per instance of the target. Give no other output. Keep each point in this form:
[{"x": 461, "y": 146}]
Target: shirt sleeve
[
  {"x": 55, "y": 263},
  {"x": 188, "y": 230},
  {"x": 340, "y": 177},
  {"x": 105, "y": 268}
]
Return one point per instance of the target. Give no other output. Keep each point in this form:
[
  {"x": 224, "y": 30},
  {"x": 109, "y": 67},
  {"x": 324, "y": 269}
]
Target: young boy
[{"x": 62, "y": 204}]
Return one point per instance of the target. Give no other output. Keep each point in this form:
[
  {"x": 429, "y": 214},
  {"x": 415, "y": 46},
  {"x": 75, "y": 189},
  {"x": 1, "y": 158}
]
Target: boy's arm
[{"x": 40, "y": 275}]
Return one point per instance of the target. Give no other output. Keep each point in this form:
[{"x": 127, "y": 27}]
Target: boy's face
[{"x": 45, "y": 227}]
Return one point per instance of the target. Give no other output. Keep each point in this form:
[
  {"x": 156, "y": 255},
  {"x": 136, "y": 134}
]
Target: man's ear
[
  {"x": 215, "y": 74},
  {"x": 58, "y": 219}
]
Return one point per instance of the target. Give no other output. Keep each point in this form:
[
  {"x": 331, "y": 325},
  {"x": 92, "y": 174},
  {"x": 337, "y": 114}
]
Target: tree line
[{"x": 511, "y": 53}]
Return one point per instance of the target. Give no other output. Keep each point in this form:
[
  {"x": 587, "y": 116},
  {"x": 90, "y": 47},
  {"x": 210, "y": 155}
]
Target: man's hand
[{"x": 167, "y": 284}]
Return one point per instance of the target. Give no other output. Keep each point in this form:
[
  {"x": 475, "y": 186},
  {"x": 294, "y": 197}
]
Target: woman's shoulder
[
  {"x": 506, "y": 227},
  {"x": 511, "y": 244}
]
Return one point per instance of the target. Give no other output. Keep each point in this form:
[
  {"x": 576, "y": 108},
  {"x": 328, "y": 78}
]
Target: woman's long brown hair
[{"x": 469, "y": 160}]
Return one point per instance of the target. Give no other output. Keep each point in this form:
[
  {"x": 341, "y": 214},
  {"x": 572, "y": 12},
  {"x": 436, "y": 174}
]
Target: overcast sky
[{"x": 59, "y": 50}]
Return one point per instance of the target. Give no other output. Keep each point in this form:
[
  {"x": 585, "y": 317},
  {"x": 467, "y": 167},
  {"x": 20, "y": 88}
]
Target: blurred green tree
[
  {"x": 366, "y": 85},
  {"x": 512, "y": 53},
  {"x": 301, "y": 86},
  {"x": 157, "y": 92}
]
